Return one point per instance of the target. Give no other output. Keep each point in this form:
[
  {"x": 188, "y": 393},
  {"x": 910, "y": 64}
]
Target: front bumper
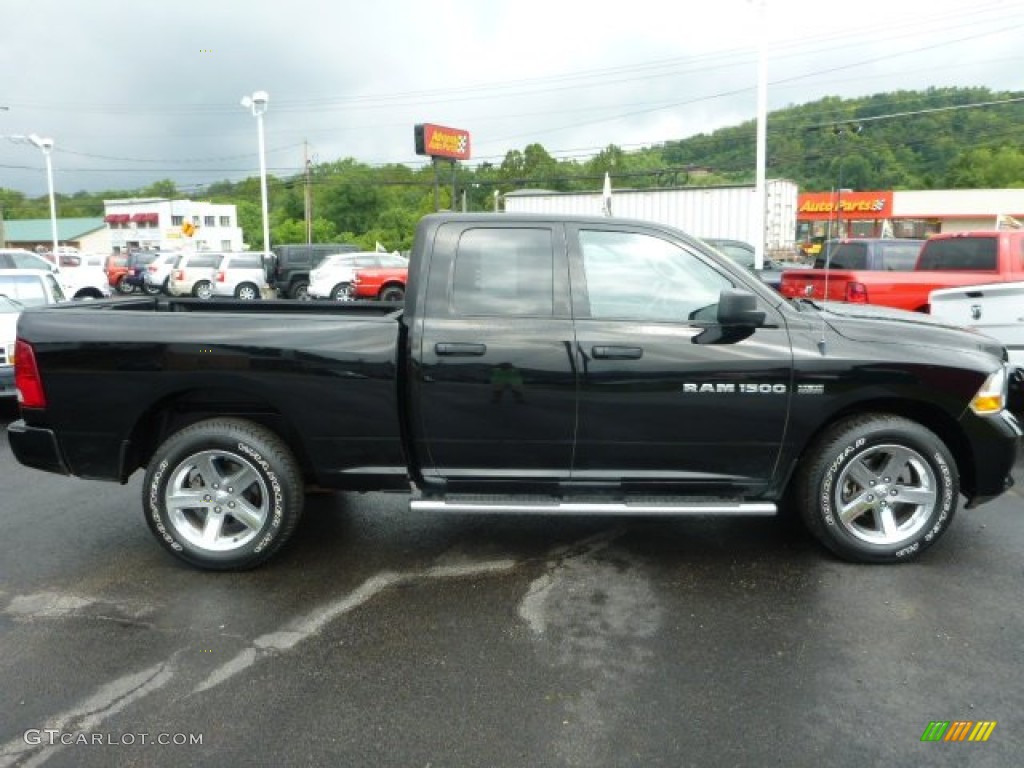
[
  {"x": 994, "y": 443},
  {"x": 36, "y": 448}
]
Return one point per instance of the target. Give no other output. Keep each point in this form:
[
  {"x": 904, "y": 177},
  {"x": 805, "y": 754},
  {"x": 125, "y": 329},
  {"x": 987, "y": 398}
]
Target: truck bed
[{"x": 327, "y": 371}]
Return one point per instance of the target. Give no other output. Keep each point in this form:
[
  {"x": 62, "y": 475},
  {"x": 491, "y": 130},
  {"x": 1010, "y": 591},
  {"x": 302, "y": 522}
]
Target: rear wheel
[
  {"x": 247, "y": 291},
  {"x": 150, "y": 289},
  {"x": 392, "y": 293},
  {"x": 203, "y": 289},
  {"x": 123, "y": 286},
  {"x": 223, "y": 494},
  {"x": 300, "y": 290},
  {"x": 878, "y": 489}
]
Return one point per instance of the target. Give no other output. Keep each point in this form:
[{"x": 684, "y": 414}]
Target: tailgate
[{"x": 810, "y": 284}]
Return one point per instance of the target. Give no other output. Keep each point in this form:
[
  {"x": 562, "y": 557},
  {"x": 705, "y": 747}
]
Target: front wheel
[
  {"x": 878, "y": 488},
  {"x": 149, "y": 289},
  {"x": 123, "y": 286},
  {"x": 342, "y": 292},
  {"x": 300, "y": 291},
  {"x": 223, "y": 494}
]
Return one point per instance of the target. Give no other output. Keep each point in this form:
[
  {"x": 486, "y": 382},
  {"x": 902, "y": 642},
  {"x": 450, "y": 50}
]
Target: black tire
[
  {"x": 896, "y": 481},
  {"x": 123, "y": 286},
  {"x": 247, "y": 291},
  {"x": 342, "y": 292},
  {"x": 392, "y": 293},
  {"x": 149, "y": 289},
  {"x": 231, "y": 527},
  {"x": 299, "y": 290},
  {"x": 203, "y": 289}
]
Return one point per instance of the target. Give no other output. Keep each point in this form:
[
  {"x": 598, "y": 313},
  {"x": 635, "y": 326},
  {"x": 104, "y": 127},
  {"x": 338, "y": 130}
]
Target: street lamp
[
  {"x": 46, "y": 146},
  {"x": 258, "y": 104}
]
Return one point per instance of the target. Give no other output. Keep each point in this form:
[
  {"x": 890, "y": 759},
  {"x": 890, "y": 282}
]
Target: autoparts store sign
[
  {"x": 438, "y": 141},
  {"x": 814, "y": 206}
]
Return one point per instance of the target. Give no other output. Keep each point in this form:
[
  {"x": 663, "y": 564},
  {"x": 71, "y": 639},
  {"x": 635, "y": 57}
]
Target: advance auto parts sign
[
  {"x": 438, "y": 141},
  {"x": 824, "y": 205}
]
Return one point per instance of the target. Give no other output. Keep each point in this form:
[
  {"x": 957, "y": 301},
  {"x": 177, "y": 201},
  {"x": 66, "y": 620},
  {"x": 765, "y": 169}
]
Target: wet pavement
[{"x": 383, "y": 638}]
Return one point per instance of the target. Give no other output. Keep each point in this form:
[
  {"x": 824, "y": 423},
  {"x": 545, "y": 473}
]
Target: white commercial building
[
  {"x": 160, "y": 224},
  {"x": 725, "y": 212}
]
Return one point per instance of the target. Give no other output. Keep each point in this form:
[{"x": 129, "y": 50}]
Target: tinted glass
[
  {"x": 207, "y": 260},
  {"x": 899, "y": 256},
  {"x": 504, "y": 272},
  {"x": 248, "y": 261},
  {"x": 632, "y": 276},
  {"x": 967, "y": 253}
]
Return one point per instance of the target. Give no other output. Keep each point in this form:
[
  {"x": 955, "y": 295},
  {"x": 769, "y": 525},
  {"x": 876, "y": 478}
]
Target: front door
[{"x": 664, "y": 400}]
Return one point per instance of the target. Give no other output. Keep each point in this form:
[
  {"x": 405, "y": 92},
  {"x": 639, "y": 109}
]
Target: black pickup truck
[{"x": 539, "y": 364}]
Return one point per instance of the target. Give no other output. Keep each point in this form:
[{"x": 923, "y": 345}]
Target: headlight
[{"x": 991, "y": 398}]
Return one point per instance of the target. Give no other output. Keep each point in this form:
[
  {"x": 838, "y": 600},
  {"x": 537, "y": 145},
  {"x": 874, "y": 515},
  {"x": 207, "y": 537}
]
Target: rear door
[
  {"x": 664, "y": 402},
  {"x": 494, "y": 386}
]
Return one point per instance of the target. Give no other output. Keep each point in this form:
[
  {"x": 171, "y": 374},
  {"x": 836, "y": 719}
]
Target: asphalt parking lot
[{"x": 382, "y": 639}]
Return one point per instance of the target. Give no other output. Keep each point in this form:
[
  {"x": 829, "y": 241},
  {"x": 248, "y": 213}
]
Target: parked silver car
[
  {"x": 192, "y": 274},
  {"x": 241, "y": 275}
]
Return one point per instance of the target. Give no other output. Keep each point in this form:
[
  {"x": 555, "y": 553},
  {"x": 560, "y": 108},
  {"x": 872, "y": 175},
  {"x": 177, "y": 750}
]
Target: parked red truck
[{"x": 945, "y": 261}]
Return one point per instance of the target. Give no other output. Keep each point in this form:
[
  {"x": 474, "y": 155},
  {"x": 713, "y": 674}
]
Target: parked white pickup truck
[{"x": 995, "y": 309}]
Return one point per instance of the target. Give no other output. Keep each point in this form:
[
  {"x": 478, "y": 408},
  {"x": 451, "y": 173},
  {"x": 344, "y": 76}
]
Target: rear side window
[
  {"x": 899, "y": 257},
  {"x": 205, "y": 260},
  {"x": 248, "y": 261},
  {"x": 504, "y": 272},
  {"x": 844, "y": 256},
  {"x": 955, "y": 253}
]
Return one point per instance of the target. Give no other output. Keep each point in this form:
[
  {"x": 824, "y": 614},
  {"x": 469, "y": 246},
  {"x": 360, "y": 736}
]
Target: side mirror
[{"x": 739, "y": 308}]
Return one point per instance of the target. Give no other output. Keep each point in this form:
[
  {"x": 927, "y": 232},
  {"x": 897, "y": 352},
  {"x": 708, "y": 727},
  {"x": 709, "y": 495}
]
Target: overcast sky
[{"x": 137, "y": 91}]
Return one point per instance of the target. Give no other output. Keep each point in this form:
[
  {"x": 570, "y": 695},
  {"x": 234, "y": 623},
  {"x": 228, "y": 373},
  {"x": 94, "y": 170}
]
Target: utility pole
[{"x": 307, "y": 194}]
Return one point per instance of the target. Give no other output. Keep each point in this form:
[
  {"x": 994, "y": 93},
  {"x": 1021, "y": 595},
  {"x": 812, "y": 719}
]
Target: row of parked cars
[{"x": 341, "y": 276}]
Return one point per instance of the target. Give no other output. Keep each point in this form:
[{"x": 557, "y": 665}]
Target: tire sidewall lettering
[
  {"x": 277, "y": 513},
  {"x": 827, "y": 483}
]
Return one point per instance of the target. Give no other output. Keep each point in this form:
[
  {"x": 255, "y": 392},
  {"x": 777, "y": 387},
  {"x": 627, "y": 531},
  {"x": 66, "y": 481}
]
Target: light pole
[
  {"x": 258, "y": 104},
  {"x": 46, "y": 146}
]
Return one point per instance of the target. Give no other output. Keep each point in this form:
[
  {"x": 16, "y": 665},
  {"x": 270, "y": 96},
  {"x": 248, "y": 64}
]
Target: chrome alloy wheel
[
  {"x": 886, "y": 494},
  {"x": 217, "y": 501}
]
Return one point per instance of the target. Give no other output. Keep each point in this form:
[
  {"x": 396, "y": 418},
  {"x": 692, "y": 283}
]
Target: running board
[{"x": 545, "y": 507}]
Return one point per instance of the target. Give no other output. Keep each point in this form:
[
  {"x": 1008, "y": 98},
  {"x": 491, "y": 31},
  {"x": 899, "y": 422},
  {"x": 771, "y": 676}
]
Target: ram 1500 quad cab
[{"x": 539, "y": 364}]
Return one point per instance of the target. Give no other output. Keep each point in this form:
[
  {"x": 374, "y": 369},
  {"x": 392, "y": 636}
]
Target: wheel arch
[
  {"x": 177, "y": 410},
  {"x": 929, "y": 416}
]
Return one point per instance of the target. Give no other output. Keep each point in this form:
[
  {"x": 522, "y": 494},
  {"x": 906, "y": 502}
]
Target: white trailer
[{"x": 724, "y": 212}]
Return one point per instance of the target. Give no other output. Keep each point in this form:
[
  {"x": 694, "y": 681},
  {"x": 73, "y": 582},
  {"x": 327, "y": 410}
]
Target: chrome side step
[{"x": 551, "y": 507}]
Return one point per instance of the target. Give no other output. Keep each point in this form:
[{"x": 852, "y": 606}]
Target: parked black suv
[{"x": 289, "y": 270}]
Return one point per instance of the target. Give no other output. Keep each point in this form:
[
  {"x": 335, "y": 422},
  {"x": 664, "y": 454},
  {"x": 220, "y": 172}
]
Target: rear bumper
[{"x": 36, "y": 448}]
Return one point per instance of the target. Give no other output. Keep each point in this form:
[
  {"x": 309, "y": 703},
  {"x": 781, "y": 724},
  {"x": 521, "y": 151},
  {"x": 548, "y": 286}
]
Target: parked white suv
[
  {"x": 332, "y": 279},
  {"x": 192, "y": 274},
  {"x": 79, "y": 277},
  {"x": 241, "y": 275}
]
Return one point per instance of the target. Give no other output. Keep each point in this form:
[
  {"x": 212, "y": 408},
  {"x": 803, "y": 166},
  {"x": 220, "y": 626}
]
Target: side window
[
  {"x": 900, "y": 256},
  {"x": 505, "y": 272},
  {"x": 850, "y": 256},
  {"x": 633, "y": 276}
]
